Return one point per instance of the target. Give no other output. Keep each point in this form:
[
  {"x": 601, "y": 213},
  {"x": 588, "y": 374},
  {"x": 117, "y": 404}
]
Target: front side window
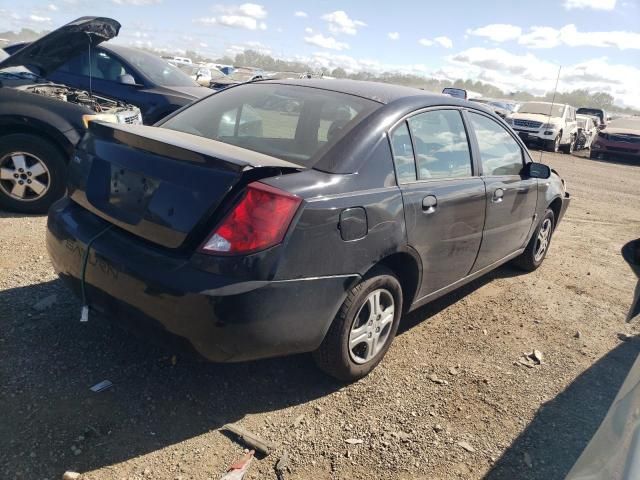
[
  {"x": 500, "y": 154},
  {"x": 441, "y": 146},
  {"x": 403, "y": 157},
  {"x": 290, "y": 122}
]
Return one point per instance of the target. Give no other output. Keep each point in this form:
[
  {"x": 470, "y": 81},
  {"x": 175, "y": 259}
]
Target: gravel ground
[{"x": 451, "y": 399}]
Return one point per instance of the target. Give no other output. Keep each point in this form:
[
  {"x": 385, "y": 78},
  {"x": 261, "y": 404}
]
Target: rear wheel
[
  {"x": 364, "y": 328},
  {"x": 568, "y": 149},
  {"x": 32, "y": 172},
  {"x": 538, "y": 246}
]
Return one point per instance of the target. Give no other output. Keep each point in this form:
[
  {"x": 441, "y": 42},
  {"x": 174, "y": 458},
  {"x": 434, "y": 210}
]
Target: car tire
[
  {"x": 554, "y": 145},
  {"x": 569, "y": 147},
  {"x": 594, "y": 155},
  {"x": 44, "y": 165},
  {"x": 349, "y": 350},
  {"x": 537, "y": 248}
]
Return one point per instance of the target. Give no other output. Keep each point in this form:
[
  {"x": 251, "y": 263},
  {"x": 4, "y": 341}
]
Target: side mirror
[
  {"x": 537, "y": 170},
  {"x": 127, "y": 79}
]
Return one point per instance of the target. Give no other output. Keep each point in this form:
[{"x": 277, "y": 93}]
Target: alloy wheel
[
  {"x": 23, "y": 176},
  {"x": 542, "y": 242},
  {"x": 371, "y": 326}
]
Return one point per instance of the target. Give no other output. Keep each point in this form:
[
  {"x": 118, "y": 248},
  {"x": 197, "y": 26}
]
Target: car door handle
[
  {"x": 429, "y": 204},
  {"x": 498, "y": 195}
]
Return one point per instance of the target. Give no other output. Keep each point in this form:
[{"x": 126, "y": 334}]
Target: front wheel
[
  {"x": 538, "y": 246},
  {"x": 568, "y": 149},
  {"x": 363, "y": 329},
  {"x": 554, "y": 145},
  {"x": 32, "y": 173}
]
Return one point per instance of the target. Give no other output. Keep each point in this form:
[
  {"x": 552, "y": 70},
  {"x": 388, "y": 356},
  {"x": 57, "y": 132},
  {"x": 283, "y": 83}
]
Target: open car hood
[{"x": 56, "y": 48}]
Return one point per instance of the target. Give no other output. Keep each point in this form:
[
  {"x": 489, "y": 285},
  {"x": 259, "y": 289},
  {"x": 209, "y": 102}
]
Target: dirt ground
[{"x": 486, "y": 416}]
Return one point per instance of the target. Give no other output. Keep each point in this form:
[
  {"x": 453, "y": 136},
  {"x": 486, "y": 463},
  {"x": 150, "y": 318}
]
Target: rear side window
[
  {"x": 290, "y": 122},
  {"x": 441, "y": 146},
  {"x": 403, "y": 154},
  {"x": 500, "y": 154}
]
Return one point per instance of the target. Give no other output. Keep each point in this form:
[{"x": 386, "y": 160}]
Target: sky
[{"x": 512, "y": 44}]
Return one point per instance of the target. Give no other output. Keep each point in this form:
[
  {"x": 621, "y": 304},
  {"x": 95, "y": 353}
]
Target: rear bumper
[{"x": 224, "y": 319}]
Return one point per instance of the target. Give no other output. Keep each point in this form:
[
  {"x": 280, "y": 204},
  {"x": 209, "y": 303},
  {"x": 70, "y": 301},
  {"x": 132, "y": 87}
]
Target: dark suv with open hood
[{"x": 41, "y": 122}]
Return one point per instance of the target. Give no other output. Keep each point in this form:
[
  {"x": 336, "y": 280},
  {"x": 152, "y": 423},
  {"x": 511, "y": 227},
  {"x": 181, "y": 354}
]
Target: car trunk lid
[{"x": 159, "y": 184}]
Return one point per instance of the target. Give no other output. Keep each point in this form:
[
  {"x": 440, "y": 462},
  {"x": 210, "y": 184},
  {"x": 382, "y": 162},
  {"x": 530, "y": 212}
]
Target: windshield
[
  {"x": 289, "y": 122},
  {"x": 591, "y": 111},
  {"x": 542, "y": 109},
  {"x": 505, "y": 106},
  {"x": 629, "y": 123},
  {"x": 158, "y": 70}
]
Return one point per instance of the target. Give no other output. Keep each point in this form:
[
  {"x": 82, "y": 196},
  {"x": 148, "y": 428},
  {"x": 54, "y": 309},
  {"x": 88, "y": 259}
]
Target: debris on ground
[
  {"x": 281, "y": 465},
  {"x": 45, "y": 303},
  {"x": 298, "y": 420},
  {"x": 466, "y": 446},
  {"x": 252, "y": 440},
  {"x": 435, "y": 379},
  {"x": 454, "y": 370},
  {"x": 578, "y": 334},
  {"x": 238, "y": 470},
  {"x": 69, "y": 475},
  {"x": 103, "y": 385},
  {"x": 354, "y": 441},
  {"x": 531, "y": 359}
]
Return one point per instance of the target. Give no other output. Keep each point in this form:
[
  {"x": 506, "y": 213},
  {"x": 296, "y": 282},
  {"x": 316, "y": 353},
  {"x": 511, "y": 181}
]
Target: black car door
[
  {"x": 444, "y": 203},
  {"x": 511, "y": 197}
]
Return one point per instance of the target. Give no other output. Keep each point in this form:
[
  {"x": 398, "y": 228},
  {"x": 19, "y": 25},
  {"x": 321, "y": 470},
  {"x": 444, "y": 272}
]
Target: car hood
[
  {"x": 536, "y": 117},
  {"x": 192, "y": 93},
  {"x": 56, "y": 48}
]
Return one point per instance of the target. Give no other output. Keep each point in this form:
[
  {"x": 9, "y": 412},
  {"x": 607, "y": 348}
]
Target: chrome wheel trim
[
  {"x": 543, "y": 239},
  {"x": 24, "y": 176},
  {"x": 371, "y": 327},
  {"x": 556, "y": 144}
]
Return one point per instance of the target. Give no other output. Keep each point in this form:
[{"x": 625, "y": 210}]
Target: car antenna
[
  {"x": 553, "y": 101},
  {"x": 90, "y": 72}
]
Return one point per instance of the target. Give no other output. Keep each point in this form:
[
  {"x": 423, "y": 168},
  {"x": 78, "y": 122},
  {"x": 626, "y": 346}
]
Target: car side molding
[{"x": 443, "y": 291}]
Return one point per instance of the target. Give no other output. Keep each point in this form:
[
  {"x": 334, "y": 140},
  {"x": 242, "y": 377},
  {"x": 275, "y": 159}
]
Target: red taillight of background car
[{"x": 258, "y": 221}]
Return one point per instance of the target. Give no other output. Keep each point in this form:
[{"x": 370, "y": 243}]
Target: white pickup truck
[{"x": 552, "y": 126}]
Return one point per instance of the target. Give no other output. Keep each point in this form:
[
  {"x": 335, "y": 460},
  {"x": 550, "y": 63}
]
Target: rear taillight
[{"x": 258, "y": 221}]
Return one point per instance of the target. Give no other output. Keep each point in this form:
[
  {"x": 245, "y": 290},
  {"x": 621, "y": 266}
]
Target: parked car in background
[
  {"x": 178, "y": 60},
  {"x": 41, "y": 122},
  {"x": 238, "y": 76},
  {"x": 202, "y": 75},
  {"x": 497, "y": 107},
  {"x": 587, "y": 131},
  {"x": 550, "y": 125},
  {"x": 598, "y": 112},
  {"x": 313, "y": 232},
  {"x": 620, "y": 138},
  {"x": 131, "y": 75}
]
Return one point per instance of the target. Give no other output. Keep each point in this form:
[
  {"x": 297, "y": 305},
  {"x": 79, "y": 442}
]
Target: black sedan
[{"x": 311, "y": 230}]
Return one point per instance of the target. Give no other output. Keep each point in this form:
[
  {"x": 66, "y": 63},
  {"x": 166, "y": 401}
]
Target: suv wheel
[
  {"x": 554, "y": 145},
  {"x": 538, "y": 246},
  {"x": 364, "y": 328},
  {"x": 32, "y": 172},
  {"x": 568, "y": 149}
]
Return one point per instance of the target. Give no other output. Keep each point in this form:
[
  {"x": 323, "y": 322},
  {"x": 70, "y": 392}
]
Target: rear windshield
[
  {"x": 542, "y": 109},
  {"x": 293, "y": 123},
  {"x": 591, "y": 111}
]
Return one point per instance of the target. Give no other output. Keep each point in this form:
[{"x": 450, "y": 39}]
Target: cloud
[
  {"x": 549, "y": 37},
  {"x": 339, "y": 22},
  {"x": 241, "y": 48},
  {"x": 512, "y": 72},
  {"x": 593, "y": 4},
  {"x": 331, "y": 43},
  {"x": 52, "y": 7},
  {"x": 444, "y": 41},
  {"x": 393, "y": 35},
  {"x": 137, "y": 3},
  {"x": 497, "y": 32},
  {"x": 300, "y": 14},
  {"x": 308, "y": 30},
  {"x": 246, "y": 16},
  {"x": 39, "y": 19}
]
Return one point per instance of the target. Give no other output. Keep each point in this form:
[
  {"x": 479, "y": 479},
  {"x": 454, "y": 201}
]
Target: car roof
[{"x": 376, "y": 91}]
